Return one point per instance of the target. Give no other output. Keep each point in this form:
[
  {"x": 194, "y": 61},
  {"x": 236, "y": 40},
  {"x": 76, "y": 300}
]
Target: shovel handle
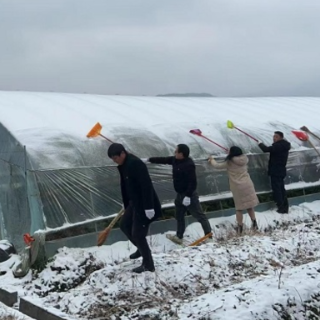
[
  {"x": 314, "y": 147},
  {"x": 200, "y": 240},
  {"x": 105, "y": 137},
  {"x": 314, "y": 135},
  {"x": 247, "y": 134},
  {"x": 115, "y": 219},
  {"x": 217, "y": 144}
]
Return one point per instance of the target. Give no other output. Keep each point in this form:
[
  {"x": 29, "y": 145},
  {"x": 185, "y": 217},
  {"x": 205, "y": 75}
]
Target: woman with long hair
[{"x": 241, "y": 185}]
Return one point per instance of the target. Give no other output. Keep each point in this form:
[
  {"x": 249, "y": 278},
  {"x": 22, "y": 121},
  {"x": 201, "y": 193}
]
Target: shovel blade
[
  {"x": 196, "y": 131},
  {"x": 230, "y": 124},
  {"x": 95, "y": 131},
  {"x": 301, "y": 135}
]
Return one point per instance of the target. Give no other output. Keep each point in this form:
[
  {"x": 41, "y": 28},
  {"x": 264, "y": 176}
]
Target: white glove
[
  {"x": 186, "y": 201},
  {"x": 259, "y": 141},
  {"x": 145, "y": 160},
  {"x": 211, "y": 159},
  {"x": 150, "y": 213}
]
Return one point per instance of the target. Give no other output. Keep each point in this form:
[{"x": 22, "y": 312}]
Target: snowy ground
[{"x": 256, "y": 276}]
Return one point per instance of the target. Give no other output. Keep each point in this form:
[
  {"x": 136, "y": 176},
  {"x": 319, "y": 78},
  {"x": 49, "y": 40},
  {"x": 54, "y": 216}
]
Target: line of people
[{"x": 142, "y": 205}]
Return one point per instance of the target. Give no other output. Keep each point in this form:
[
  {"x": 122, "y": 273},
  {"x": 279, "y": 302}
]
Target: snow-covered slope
[{"x": 256, "y": 276}]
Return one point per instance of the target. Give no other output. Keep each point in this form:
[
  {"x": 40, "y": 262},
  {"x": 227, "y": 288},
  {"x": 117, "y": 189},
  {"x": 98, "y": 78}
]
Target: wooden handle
[
  {"x": 314, "y": 147},
  {"x": 115, "y": 219},
  {"x": 200, "y": 240},
  {"x": 314, "y": 135},
  {"x": 102, "y": 237}
]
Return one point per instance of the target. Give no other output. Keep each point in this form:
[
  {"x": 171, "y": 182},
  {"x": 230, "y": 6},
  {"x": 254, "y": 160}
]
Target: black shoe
[
  {"x": 282, "y": 211},
  {"x": 143, "y": 269},
  {"x": 239, "y": 229},
  {"x": 135, "y": 255},
  {"x": 254, "y": 225}
]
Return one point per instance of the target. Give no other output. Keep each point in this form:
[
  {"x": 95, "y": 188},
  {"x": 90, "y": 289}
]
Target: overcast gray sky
[{"x": 149, "y": 47}]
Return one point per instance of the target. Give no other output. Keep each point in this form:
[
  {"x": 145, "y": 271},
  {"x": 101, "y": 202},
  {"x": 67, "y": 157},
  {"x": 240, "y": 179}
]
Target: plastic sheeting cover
[{"x": 51, "y": 175}]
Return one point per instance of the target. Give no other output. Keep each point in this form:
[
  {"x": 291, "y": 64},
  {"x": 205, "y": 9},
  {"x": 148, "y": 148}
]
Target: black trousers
[
  {"x": 195, "y": 210},
  {"x": 136, "y": 231},
  {"x": 279, "y": 193}
]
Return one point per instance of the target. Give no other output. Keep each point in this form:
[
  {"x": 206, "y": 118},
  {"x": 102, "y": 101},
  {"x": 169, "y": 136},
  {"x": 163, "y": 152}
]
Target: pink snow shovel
[
  {"x": 198, "y": 132},
  {"x": 230, "y": 125},
  {"x": 95, "y": 131}
]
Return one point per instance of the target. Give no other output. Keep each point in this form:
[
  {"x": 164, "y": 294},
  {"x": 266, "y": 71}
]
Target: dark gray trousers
[
  {"x": 136, "y": 231},
  {"x": 279, "y": 193},
  {"x": 194, "y": 209}
]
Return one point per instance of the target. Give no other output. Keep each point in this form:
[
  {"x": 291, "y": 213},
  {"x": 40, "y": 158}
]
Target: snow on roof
[{"x": 56, "y": 123}]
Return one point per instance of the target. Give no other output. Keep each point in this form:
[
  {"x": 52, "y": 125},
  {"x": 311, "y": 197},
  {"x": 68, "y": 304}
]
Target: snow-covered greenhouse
[{"x": 52, "y": 176}]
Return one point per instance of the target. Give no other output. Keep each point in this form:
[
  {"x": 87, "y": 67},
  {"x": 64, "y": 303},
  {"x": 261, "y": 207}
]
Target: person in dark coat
[
  {"x": 185, "y": 184},
  {"x": 140, "y": 201},
  {"x": 279, "y": 152}
]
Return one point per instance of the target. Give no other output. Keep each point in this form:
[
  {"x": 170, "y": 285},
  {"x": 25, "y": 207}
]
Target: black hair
[
  {"x": 279, "y": 133},
  {"x": 234, "y": 152},
  {"x": 116, "y": 149},
  {"x": 184, "y": 149}
]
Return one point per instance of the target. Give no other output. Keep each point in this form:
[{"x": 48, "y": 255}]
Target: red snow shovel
[
  {"x": 198, "y": 132},
  {"x": 304, "y": 128},
  {"x": 303, "y": 136},
  {"x": 95, "y": 131},
  {"x": 230, "y": 125}
]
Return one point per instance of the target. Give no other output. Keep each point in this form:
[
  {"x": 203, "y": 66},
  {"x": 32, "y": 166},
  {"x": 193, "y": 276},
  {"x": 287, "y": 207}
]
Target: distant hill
[{"x": 196, "y": 95}]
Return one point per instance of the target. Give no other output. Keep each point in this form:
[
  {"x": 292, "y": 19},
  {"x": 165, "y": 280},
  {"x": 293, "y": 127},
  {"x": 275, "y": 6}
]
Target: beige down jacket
[{"x": 241, "y": 185}]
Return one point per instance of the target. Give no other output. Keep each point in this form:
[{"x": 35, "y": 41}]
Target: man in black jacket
[
  {"x": 185, "y": 184},
  {"x": 140, "y": 201},
  {"x": 277, "y": 171}
]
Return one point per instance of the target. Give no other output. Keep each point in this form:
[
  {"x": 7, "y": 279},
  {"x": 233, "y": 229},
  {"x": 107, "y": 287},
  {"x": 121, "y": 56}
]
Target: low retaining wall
[
  {"x": 9, "y": 297},
  {"x": 158, "y": 227}
]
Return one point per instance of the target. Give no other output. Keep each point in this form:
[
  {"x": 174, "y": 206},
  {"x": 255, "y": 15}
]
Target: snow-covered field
[{"x": 256, "y": 276}]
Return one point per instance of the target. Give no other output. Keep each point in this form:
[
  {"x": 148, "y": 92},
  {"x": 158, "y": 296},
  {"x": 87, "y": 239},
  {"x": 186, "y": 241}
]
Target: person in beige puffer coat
[{"x": 241, "y": 185}]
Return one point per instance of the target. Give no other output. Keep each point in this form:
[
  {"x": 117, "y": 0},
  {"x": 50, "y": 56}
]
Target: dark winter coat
[
  {"x": 279, "y": 152},
  {"x": 137, "y": 187},
  {"x": 183, "y": 173}
]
